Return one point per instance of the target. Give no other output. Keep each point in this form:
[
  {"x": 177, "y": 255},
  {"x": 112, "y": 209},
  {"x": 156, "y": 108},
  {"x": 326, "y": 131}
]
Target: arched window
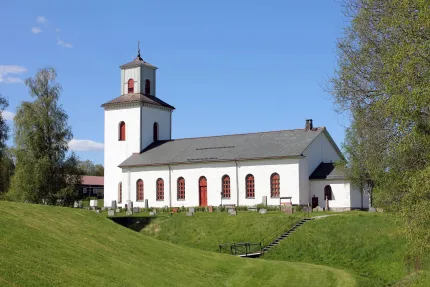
[
  {"x": 130, "y": 86},
  {"x": 147, "y": 87},
  {"x": 120, "y": 192},
  {"x": 250, "y": 187},
  {"x": 121, "y": 132},
  {"x": 181, "y": 188},
  {"x": 139, "y": 190},
  {"x": 160, "y": 189},
  {"x": 155, "y": 132},
  {"x": 327, "y": 192},
  {"x": 275, "y": 185},
  {"x": 225, "y": 186}
]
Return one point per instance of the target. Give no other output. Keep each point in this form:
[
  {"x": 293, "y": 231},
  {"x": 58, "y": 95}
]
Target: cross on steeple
[{"x": 138, "y": 49}]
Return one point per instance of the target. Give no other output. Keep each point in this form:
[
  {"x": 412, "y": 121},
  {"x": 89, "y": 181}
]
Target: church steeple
[{"x": 138, "y": 52}]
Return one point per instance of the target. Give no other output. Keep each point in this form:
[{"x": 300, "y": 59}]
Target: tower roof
[
  {"x": 138, "y": 61},
  {"x": 137, "y": 98}
]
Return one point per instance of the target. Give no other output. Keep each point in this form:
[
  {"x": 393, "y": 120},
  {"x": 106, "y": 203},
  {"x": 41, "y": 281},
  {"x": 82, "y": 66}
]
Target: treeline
[
  {"x": 39, "y": 167},
  {"x": 383, "y": 83}
]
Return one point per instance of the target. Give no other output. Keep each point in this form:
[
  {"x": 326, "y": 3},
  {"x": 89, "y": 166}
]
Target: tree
[
  {"x": 383, "y": 83},
  {"x": 89, "y": 168},
  {"x": 3, "y": 126},
  {"x": 7, "y": 167},
  {"x": 43, "y": 173}
]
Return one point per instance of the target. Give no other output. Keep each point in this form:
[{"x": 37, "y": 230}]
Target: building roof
[
  {"x": 327, "y": 171},
  {"x": 137, "y": 98},
  {"x": 138, "y": 61},
  {"x": 92, "y": 180},
  {"x": 274, "y": 144}
]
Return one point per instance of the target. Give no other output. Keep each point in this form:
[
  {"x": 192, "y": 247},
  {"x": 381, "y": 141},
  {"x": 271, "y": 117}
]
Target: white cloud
[
  {"x": 36, "y": 30},
  {"x": 85, "y": 145},
  {"x": 63, "y": 44},
  {"x": 41, "y": 19},
  {"x": 8, "y": 115},
  {"x": 6, "y": 70}
]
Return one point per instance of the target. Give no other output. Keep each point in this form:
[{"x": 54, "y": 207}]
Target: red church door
[{"x": 203, "y": 191}]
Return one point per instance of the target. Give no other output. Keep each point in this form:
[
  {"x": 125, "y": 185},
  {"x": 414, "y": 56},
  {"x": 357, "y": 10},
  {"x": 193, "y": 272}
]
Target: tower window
[
  {"x": 130, "y": 86},
  {"x": 155, "y": 132},
  {"x": 147, "y": 87},
  {"x": 121, "y": 132}
]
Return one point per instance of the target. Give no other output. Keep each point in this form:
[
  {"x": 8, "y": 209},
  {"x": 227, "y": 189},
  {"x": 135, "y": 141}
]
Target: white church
[{"x": 144, "y": 164}]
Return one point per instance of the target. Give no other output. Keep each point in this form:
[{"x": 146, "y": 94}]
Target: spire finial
[{"x": 138, "y": 49}]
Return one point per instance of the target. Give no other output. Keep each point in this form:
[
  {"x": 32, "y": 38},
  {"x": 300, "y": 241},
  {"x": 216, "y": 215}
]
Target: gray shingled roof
[
  {"x": 138, "y": 61},
  {"x": 137, "y": 98},
  {"x": 286, "y": 143},
  {"x": 327, "y": 171}
]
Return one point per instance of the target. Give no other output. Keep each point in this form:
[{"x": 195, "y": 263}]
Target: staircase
[{"x": 286, "y": 234}]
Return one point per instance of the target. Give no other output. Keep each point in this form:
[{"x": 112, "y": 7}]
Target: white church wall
[
  {"x": 304, "y": 182},
  {"x": 320, "y": 150},
  {"x": 150, "y": 115},
  {"x": 127, "y": 74},
  {"x": 116, "y": 151},
  {"x": 344, "y": 195}
]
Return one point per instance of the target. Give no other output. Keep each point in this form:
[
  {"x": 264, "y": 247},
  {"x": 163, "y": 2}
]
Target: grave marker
[
  {"x": 263, "y": 211},
  {"x": 113, "y": 204},
  {"x": 111, "y": 213}
]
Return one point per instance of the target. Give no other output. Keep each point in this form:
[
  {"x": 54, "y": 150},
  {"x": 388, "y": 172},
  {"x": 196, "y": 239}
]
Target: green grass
[
  {"x": 367, "y": 244},
  {"x": 207, "y": 230},
  {"x": 54, "y": 246}
]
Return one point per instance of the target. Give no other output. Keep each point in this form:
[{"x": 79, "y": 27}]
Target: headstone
[
  {"x": 287, "y": 207},
  {"x": 93, "y": 202},
  {"x": 174, "y": 210},
  {"x": 319, "y": 208},
  {"x": 263, "y": 211},
  {"x": 118, "y": 210},
  {"x": 129, "y": 205},
  {"x": 372, "y": 209},
  {"x": 264, "y": 201},
  {"x": 111, "y": 213},
  {"x": 154, "y": 210},
  {"x": 233, "y": 212},
  {"x": 210, "y": 208},
  {"x": 190, "y": 213},
  {"x": 113, "y": 204},
  {"x": 97, "y": 210},
  {"x": 254, "y": 209},
  {"x": 146, "y": 204},
  {"x": 151, "y": 213},
  {"x": 191, "y": 209},
  {"x": 128, "y": 212},
  {"x": 230, "y": 210},
  {"x": 75, "y": 204},
  {"x": 136, "y": 209},
  {"x": 104, "y": 208}
]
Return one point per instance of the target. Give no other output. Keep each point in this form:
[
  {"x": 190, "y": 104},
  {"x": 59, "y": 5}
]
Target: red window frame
[
  {"x": 250, "y": 186},
  {"x": 225, "y": 186},
  {"x": 121, "y": 131},
  {"x": 120, "y": 192},
  {"x": 130, "y": 86},
  {"x": 147, "y": 87},
  {"x": 139, "y": 190},
  {"x": 160, "y": 189},
  {"x": 181, "y": 188},
  {"x": 275, "y": 185}
]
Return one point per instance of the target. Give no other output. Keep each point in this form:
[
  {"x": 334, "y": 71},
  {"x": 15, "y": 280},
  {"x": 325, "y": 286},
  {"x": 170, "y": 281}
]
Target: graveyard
[{"x": 59, "y": 246}]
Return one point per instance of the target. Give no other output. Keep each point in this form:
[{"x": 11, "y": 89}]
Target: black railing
[{"x": 241, "y": 248}]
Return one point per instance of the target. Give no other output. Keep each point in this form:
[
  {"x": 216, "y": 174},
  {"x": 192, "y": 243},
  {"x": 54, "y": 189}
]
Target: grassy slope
[
  {"x": 368, "y": 244},
  {"x": 207, "y": 230},
  {"x": 52, "y": 246}
]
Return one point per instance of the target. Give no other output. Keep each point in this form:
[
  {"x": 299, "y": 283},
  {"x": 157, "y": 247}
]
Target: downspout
[
  {"x": 237, "y": 183},
  {"x": 129, "y": 183},
  {"x": 170, "y": 186}
]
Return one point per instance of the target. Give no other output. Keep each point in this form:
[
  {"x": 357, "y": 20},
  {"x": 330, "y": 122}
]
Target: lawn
[{"x": 54, "y": 246}]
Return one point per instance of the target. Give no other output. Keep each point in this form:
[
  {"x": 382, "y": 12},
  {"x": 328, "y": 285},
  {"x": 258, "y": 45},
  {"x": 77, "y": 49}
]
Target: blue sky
[{"x": 227, "y": 66}]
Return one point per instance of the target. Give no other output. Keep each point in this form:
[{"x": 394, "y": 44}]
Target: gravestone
[
  {"x": 189, "y": 213},
  {"x": 210, "y": 208},
  {"x": 372, "y": 209},
  {"x": 263, "y": 211},
  {"x": 191, "y": 209},
  {"x": 253, "y": 209},
  {"x": 111, "y": 213},
  {"x": 103, "y": 208},
  {"x": 174, "y": 210},
  {"x": 75, "y": 204},
  {"x": 154, "y": 210},
  {"x": 136, "y": 209},
  {"x": 93, "y": 202},
  {"x": 232, "y": 213},
  {"x": 287, "y": 207},
  {"x": 146, "y": 204},
  {"x": 97, "y": 210},
  {"x": 264, "y": 201},
  {"x": 113, "y": 204},
  {"x": 230, "y": 210},
  {"x": 318, "y": 208},
  {"x": 118, "y": 210},
  {"x": 129, "y": 212},
  {"x": 151, "y": 213},
  {"x": 130, "y": 205}
]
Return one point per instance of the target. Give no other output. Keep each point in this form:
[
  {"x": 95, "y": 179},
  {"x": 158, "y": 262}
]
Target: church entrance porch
[{"x": 203, "y": 191}]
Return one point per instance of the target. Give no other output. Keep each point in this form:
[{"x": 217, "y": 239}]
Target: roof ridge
[{"x": 242, "y": 134}]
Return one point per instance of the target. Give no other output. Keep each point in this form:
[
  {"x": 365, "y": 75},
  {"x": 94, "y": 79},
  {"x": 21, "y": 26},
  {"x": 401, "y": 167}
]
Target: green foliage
[
  {"x": 383, "y": 82},
  {"x": 43, "y": 174},
  {"x": 89, "y": 168},
  {"x": 52, "y": 246},
  {"x": 3, "y": 126},
  {"x": 6, "y": 171}
]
